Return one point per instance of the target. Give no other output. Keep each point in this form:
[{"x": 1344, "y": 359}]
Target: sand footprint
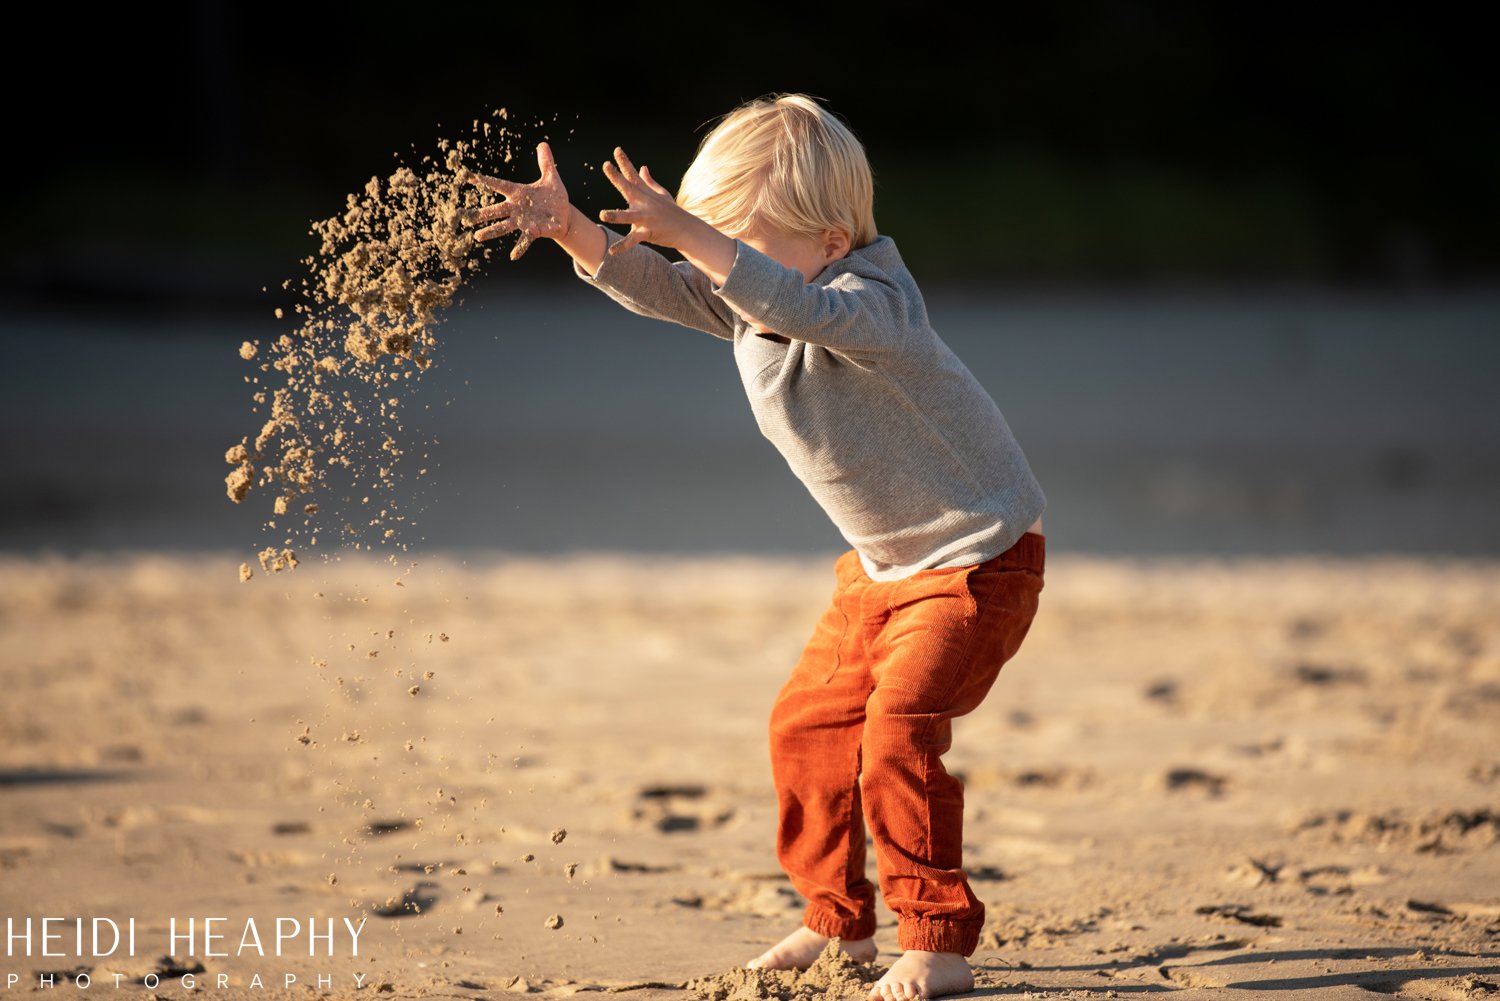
[
  {"x": 1242, "y": 913},
  {"x": 1192, "y": 780},
  {"x": 681, "y": 808},
  {"x": 764, "y": 898}
]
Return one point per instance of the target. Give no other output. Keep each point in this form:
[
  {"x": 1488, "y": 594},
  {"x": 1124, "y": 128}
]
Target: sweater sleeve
[
  {"x": 645, "y": 282},
  {"x": 857, "y": 310}
]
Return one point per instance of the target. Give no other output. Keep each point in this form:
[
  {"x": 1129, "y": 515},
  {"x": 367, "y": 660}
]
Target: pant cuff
[
  {"x": 961, "y": 937},
  {"x": 832, "y": 924}
]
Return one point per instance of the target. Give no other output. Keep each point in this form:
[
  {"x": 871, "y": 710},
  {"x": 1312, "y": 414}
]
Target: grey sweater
[{"x": 892, "y": 434}]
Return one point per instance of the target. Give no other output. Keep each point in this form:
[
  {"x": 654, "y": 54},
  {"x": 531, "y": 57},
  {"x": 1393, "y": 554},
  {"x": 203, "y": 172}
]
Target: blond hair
[{"x": 783, "y": 162}]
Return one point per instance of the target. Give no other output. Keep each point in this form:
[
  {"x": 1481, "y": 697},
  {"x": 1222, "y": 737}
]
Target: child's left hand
[
  {"x": 652, "y": 213},
  {"x": 656, "y": 217}
]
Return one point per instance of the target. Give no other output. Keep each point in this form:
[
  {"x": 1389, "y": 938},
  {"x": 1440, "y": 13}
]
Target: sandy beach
[{"x": 1212, "y": 777}]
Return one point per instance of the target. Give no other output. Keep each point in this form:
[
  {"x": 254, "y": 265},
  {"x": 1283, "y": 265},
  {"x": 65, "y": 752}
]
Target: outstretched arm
[
  {"x": 849, "y": 313},
  {"x": 858, "y": 311},
  {"x": 640, "y": 279}
]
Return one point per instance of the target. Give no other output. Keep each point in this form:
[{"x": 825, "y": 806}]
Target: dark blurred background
[{"x": 1229, "y": 270}]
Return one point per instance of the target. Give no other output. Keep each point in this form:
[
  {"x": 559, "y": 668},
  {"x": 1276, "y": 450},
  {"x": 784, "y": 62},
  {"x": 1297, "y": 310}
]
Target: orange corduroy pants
[{"x": 859, "y": 730}]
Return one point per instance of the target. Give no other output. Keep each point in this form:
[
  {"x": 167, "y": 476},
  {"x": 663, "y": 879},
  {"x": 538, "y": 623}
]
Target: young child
[{"x": 907, "y": 454}]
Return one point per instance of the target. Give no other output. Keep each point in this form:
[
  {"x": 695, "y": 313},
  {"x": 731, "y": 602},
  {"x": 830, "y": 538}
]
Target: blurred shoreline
[{"x": 1160, "y": 422}]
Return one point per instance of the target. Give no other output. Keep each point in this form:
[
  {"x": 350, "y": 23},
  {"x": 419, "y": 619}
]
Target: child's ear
[{"x": 835, "y": 244}]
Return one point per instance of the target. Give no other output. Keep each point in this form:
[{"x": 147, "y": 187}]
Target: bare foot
[
  {"x": 799, "y": 949},
  {"x": 919, "y": 974}
]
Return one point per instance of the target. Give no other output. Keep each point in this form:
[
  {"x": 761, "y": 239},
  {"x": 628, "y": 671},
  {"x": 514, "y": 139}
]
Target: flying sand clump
[{"x": 333, "y": 389}]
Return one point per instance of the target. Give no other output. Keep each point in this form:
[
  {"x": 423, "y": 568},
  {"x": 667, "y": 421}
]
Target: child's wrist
[
  {"x": 569, "y": 219},
  {"x": 713, "y": 251}
]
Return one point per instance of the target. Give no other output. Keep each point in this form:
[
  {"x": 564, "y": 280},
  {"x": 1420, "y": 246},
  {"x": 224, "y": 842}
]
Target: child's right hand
[{"x": 538, "y": 209}]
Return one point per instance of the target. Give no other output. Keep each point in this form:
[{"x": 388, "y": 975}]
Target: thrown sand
[{"x": 334, "y": 391}]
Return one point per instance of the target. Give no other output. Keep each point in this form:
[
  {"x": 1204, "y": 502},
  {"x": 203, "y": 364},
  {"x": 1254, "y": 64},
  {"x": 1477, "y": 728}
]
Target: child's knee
[{"x": 901, "y": 723}]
